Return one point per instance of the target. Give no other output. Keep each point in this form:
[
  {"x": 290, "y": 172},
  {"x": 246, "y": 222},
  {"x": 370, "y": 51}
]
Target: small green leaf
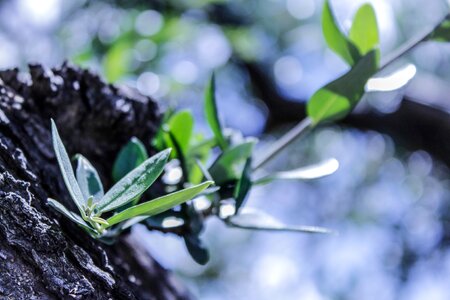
[
  {"x": 181, "y": 125},
  {"x": 364, "y": 30},
  {"x": 257, "y": 220},
  {"x": 99, "y": 220},
  {"x": 88, "y": 180},
  {"x": 70, "y": 215},
  {"x": 231, "y": 162},
  {"x": 129, "y": 157},
  {"x": 335, "y": 39},
  {"x": 319, "y": 170},
  {"x": 196, "y": 249},
  {"x": 134, "y": 183},
  {"x": 160, "y": 204},
  {"x": 337, "y": 99},
  {"x": 244, "y": 185},
  {"x": 66, "y": 169},
  {"x": 211, "y": 113}
]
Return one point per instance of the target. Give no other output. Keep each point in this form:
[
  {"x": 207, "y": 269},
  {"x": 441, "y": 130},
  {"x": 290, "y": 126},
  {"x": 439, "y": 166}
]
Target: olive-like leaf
[
  {"x": 244, "y": 185},
  {"x": 319, "y": 170},
  {"x": 336, "y": 40},
  {"x": 364, "y": 30},
  {"x": 230, "y": 164},
  {"x": 181, "y": 126},
  {"x": 88, "y": 180},
  {"x": 211, "y": 112},
  {"x": 134, "y": 183},
  {"x": 257, "y": 220},
  {"x": 70, "y": 215},
  {"x": 129, "y": 157},
  {"x": 196, "y": 249},
  {"x": 160, "y": 204},
  {"x": 336, "y": 99},
  {"x": 66, "y": 169}
]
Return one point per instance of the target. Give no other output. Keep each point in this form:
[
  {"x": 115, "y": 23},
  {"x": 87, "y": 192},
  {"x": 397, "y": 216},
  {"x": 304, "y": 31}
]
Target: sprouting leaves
[
  {"x": 336, "y": 99},
  {"x": 87, "y": 191},
  {"x": 363, "y": 36},
  {"x": 212, "y": 115},
  {"x": 336, "y": 40},
  {"x": 129, "y": 157}
]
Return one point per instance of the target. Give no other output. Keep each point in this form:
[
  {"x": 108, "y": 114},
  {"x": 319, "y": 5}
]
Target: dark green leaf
[
  {"x": 258, "y": 220},
  {"x": 66, "y": 169},
  {"x": 196, "y": 249},
  {"x": 211, "y": 113},
  {"x": 88, "y": 180},
  {"x": 159, "y": 205},
  {"x": 129, "y": 157},
  {"x": 335, "y": 39},
  {"x": 244, "y": 185},
  {"x": 134, "y": 183},
  {"x": 337, "y": 99},
  {"x": 364, "y": 30},
  {"x": 231, "y": 162}
]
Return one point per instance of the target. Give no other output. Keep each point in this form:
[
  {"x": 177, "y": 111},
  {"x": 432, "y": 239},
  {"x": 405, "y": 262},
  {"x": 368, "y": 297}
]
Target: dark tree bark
[{"x": 43, "y": 256}]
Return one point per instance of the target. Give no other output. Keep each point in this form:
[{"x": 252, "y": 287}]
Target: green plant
[{"x": 86, "y": 191}]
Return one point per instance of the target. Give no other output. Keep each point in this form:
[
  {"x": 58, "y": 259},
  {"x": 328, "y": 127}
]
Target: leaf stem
[{"x": 299, "y": 129}]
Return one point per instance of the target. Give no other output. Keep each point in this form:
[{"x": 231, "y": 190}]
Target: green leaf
[
  {"x": 321, "y": 169},
  {"x": 364, "y": 30},
  {"x": 70, "y": 215},
  {"x": 181, "y": 125},
  {"x": 231, "y": 162},
  {"x": 196, "y": 249},
  {"x": 88, "y": 180},
  {"x": 160, "y": 204},
  {"x": 211, "y": 113},
  {"x": 134, "y": 183},
  {"x": 244, "y": 185},
  {"x": 442, "y": 32},
  {"x": 130, "y": 156},
  {"x": 337, "y": 99},
  {"x": 335, "y": 39},
  {"x": 66, "y": 169},
  {"x": 257, "y": 220}
]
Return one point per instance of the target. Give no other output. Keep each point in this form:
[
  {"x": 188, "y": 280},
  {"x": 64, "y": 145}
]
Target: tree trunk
[{"x": 43, "y": 256}]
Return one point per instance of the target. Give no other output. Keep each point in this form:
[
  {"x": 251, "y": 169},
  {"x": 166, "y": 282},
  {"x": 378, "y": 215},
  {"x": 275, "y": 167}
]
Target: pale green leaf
[
  {"x": 66, "y": 169},
  {"x": 160, "y": 204},
  {"x": 181, "y": 125},
  {"x": 88, "y": 180},
  {"x": 134, "y": 183}
]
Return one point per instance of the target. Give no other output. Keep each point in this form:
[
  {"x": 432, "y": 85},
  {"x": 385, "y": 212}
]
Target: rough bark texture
[{"x": 42, "y": 256}]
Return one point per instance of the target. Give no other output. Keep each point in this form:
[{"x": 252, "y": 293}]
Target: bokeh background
[{"x": 390, "y": 203}]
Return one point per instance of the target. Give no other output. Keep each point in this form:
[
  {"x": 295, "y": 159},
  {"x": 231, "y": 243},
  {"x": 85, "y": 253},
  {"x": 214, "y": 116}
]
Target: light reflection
[{"x": 393, "y": 81}]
